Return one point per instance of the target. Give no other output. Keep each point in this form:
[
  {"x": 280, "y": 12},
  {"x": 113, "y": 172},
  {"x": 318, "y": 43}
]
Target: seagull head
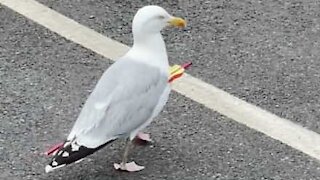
[{"x": 152, "y": 19}]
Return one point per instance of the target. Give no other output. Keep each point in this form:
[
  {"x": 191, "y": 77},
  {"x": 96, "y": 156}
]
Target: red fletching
[{"x": 54, "y": 149}]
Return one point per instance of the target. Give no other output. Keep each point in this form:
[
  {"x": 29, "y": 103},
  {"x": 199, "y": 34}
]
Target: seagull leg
[
  {"x": 130, "y": 167},
  {"x": 126, "y": 152}
]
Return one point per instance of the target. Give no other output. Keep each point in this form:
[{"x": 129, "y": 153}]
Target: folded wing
[{"x": 124, "y": 98}]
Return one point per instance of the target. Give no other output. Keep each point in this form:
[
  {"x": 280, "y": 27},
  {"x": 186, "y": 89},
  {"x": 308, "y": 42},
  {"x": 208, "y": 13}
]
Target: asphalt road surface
[{"x": 266, "y": 53}]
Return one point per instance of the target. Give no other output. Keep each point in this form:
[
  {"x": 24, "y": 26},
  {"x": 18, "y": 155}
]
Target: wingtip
[{"x": 48, "y": 168}]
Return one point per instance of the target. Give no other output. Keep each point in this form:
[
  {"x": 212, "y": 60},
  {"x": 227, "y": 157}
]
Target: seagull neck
[{"x": 150, "y": 42}]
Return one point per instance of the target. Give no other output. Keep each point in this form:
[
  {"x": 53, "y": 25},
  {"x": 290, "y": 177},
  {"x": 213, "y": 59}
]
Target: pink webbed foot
[
  {"x": 130, "y": 167},
  {"x": 142, "y": 138}
]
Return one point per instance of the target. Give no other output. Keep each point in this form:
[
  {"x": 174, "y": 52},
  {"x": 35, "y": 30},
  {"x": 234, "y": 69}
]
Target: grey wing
[
  {"x": 162, "y": 101},
  {"x": 124, "y": 99}
]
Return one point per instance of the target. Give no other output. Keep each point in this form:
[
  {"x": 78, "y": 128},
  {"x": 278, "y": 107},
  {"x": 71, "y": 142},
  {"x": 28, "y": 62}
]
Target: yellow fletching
[{"x": 175, "y": 70}]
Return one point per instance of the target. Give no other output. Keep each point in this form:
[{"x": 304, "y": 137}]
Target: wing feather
[{"x": 124, "y": 99}]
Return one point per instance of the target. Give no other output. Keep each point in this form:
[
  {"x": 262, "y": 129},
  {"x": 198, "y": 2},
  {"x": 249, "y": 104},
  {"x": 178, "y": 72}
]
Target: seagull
[{"x": 128, "y": 96}]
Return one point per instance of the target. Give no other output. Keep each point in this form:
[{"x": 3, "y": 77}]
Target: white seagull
[{"x": 128, "y": 96}]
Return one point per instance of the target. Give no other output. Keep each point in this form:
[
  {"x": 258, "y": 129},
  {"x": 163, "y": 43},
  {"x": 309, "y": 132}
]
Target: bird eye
[{"x": 161, "y": 17}]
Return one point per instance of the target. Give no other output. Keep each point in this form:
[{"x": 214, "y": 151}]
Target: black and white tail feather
[{"x": 70, "y": 152}]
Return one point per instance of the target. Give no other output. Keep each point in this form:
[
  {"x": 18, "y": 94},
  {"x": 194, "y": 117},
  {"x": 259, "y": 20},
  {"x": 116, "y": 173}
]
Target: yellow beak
[{"x": 177, "y": 22}]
